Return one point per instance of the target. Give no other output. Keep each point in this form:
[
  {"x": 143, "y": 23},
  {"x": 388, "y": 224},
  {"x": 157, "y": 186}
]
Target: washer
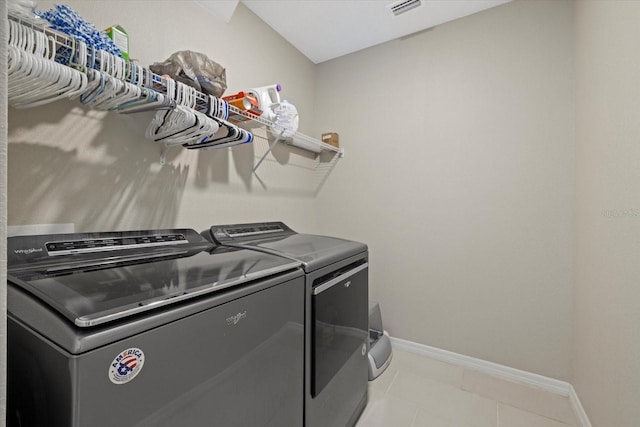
[
  {"x": 336, "y": 314},
  {"x": 152, "y": 328}
]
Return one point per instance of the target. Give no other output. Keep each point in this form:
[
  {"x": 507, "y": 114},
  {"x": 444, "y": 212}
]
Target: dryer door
[{"x": 340, "y": 322}]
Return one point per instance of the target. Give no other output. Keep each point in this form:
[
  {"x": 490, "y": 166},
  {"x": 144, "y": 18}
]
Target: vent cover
[{"x": 403, "y": 6}]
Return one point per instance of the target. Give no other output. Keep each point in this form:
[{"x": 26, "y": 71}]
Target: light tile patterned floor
[{"x": 416, "y": 391}]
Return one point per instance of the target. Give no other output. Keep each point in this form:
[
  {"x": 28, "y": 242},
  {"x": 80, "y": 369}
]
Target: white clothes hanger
[{"x": 34, "y": 78}]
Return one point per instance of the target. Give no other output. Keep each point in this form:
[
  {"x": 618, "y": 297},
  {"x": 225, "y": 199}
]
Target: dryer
[
  {"x": 336, "y": 314},
  {"x": 152, "y": 328}
]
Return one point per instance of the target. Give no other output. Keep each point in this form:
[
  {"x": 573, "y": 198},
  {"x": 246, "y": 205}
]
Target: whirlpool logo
[
  {"x": 27, "y": 251},
  {"x": 233, "y": 320}
]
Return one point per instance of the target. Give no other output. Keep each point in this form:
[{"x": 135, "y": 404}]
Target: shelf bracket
[
  {"x": 163, "y": 154},
  {"x": 273, "y": 144}
]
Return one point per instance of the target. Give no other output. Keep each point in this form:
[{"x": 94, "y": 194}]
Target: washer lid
[
  {"x": 97, "y": 290},
  {"x": 312, "y": 250}
]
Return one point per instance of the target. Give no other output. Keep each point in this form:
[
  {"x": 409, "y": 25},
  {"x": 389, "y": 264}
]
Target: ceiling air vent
[{"x": 403, "y": 6}]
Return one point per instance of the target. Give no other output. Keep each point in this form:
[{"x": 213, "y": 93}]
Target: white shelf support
[
  {"x": 297, "y": 139},
  {"x": 163, "y": 153},
  {"x": 273, "y": 144}
]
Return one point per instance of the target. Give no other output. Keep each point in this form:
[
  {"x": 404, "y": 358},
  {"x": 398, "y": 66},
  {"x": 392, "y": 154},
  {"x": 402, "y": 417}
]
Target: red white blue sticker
[{"x": 126, "y": 366}]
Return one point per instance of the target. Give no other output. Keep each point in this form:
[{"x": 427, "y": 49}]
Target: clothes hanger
[
  {"x": 181, "y": 126},
  {"x": 150, "y": 99},
  {"x": 229, "y": 136},
  {"x": 218, "y": 108},
  {"x": 46, "y": 82}
]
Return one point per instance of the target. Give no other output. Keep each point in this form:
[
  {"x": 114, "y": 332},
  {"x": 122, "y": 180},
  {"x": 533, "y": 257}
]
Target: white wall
[
  {"x": 459, "y": 176},
  {"x": 70, "y": 164},
  {"x": 606, "y": 350}
]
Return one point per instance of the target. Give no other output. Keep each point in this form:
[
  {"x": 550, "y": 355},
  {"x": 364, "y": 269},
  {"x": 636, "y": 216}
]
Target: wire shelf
[{"x": 74, "y": 53}]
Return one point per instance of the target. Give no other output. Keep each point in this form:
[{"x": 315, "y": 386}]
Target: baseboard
[
  {"x": 494, "y": 369},
  {"x": 500, "y": 371}
]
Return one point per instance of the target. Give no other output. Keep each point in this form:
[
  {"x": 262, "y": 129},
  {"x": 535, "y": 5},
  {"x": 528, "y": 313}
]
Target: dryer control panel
[{"x": 237, "y": 233}]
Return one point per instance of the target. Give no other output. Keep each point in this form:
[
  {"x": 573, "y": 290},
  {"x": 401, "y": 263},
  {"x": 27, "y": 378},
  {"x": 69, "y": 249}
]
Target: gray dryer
[{"x": 336, "y": 314}]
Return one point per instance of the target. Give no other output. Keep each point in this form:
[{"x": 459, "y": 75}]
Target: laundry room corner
[
  {"x": 348, "y": 213},
  {"x": 462, "y": 139}
]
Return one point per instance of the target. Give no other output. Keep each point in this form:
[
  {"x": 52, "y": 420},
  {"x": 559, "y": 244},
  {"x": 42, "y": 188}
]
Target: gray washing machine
[
  {"x": 152, "y": 328},
  {"x": 336, "y": 314}
]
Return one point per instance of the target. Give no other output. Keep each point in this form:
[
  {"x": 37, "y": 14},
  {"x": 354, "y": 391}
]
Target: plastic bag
[{"x": 196, "y": 70}]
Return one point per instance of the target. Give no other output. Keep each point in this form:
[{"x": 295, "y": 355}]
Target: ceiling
[{"x": 327, "y": 29}]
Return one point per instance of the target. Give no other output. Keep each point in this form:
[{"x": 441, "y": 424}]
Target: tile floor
[{"x": 416, "y": 391}]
